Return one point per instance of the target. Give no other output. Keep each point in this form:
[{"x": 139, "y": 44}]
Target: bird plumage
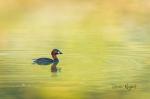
[{"x": 43, "y": 61}]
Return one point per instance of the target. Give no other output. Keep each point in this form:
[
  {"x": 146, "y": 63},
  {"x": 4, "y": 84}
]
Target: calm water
[{"x": 103, "y": 51}]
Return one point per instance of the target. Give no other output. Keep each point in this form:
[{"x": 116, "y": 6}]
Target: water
[{"x": 104, "y": 50}]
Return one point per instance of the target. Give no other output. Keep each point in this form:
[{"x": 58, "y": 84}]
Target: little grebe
[{"x": 47, "y": 61}]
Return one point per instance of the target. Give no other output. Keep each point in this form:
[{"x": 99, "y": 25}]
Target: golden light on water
[{"x": 104, "y": 42}]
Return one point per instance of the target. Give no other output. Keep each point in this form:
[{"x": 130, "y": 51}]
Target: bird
[{"x": 46, "y": 61}]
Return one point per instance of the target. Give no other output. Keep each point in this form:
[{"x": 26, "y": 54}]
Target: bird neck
[{"x": 54, "y": 56}]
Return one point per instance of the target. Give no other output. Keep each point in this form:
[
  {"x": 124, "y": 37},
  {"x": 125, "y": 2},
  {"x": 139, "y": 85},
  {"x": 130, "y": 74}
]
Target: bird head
[{"x": 56, "y": 51}]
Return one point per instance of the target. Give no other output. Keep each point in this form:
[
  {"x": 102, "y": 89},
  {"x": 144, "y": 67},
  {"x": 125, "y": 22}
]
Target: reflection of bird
[{"x": 47, "y": 61}]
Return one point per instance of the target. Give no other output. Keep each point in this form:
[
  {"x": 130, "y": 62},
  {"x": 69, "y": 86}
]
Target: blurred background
[{"x": 105, "y": 44}]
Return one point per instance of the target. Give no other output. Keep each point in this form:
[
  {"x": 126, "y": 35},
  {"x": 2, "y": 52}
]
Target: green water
[
  {"x": 90, "y": 68},
  {"x": 104, "y": 51}
]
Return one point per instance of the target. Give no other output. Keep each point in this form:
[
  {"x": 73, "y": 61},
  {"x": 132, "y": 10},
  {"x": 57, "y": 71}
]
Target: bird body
[{"x": 43, "y": 61}]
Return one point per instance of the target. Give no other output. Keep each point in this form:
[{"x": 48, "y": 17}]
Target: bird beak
[{"x": 60, "y": 52}]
